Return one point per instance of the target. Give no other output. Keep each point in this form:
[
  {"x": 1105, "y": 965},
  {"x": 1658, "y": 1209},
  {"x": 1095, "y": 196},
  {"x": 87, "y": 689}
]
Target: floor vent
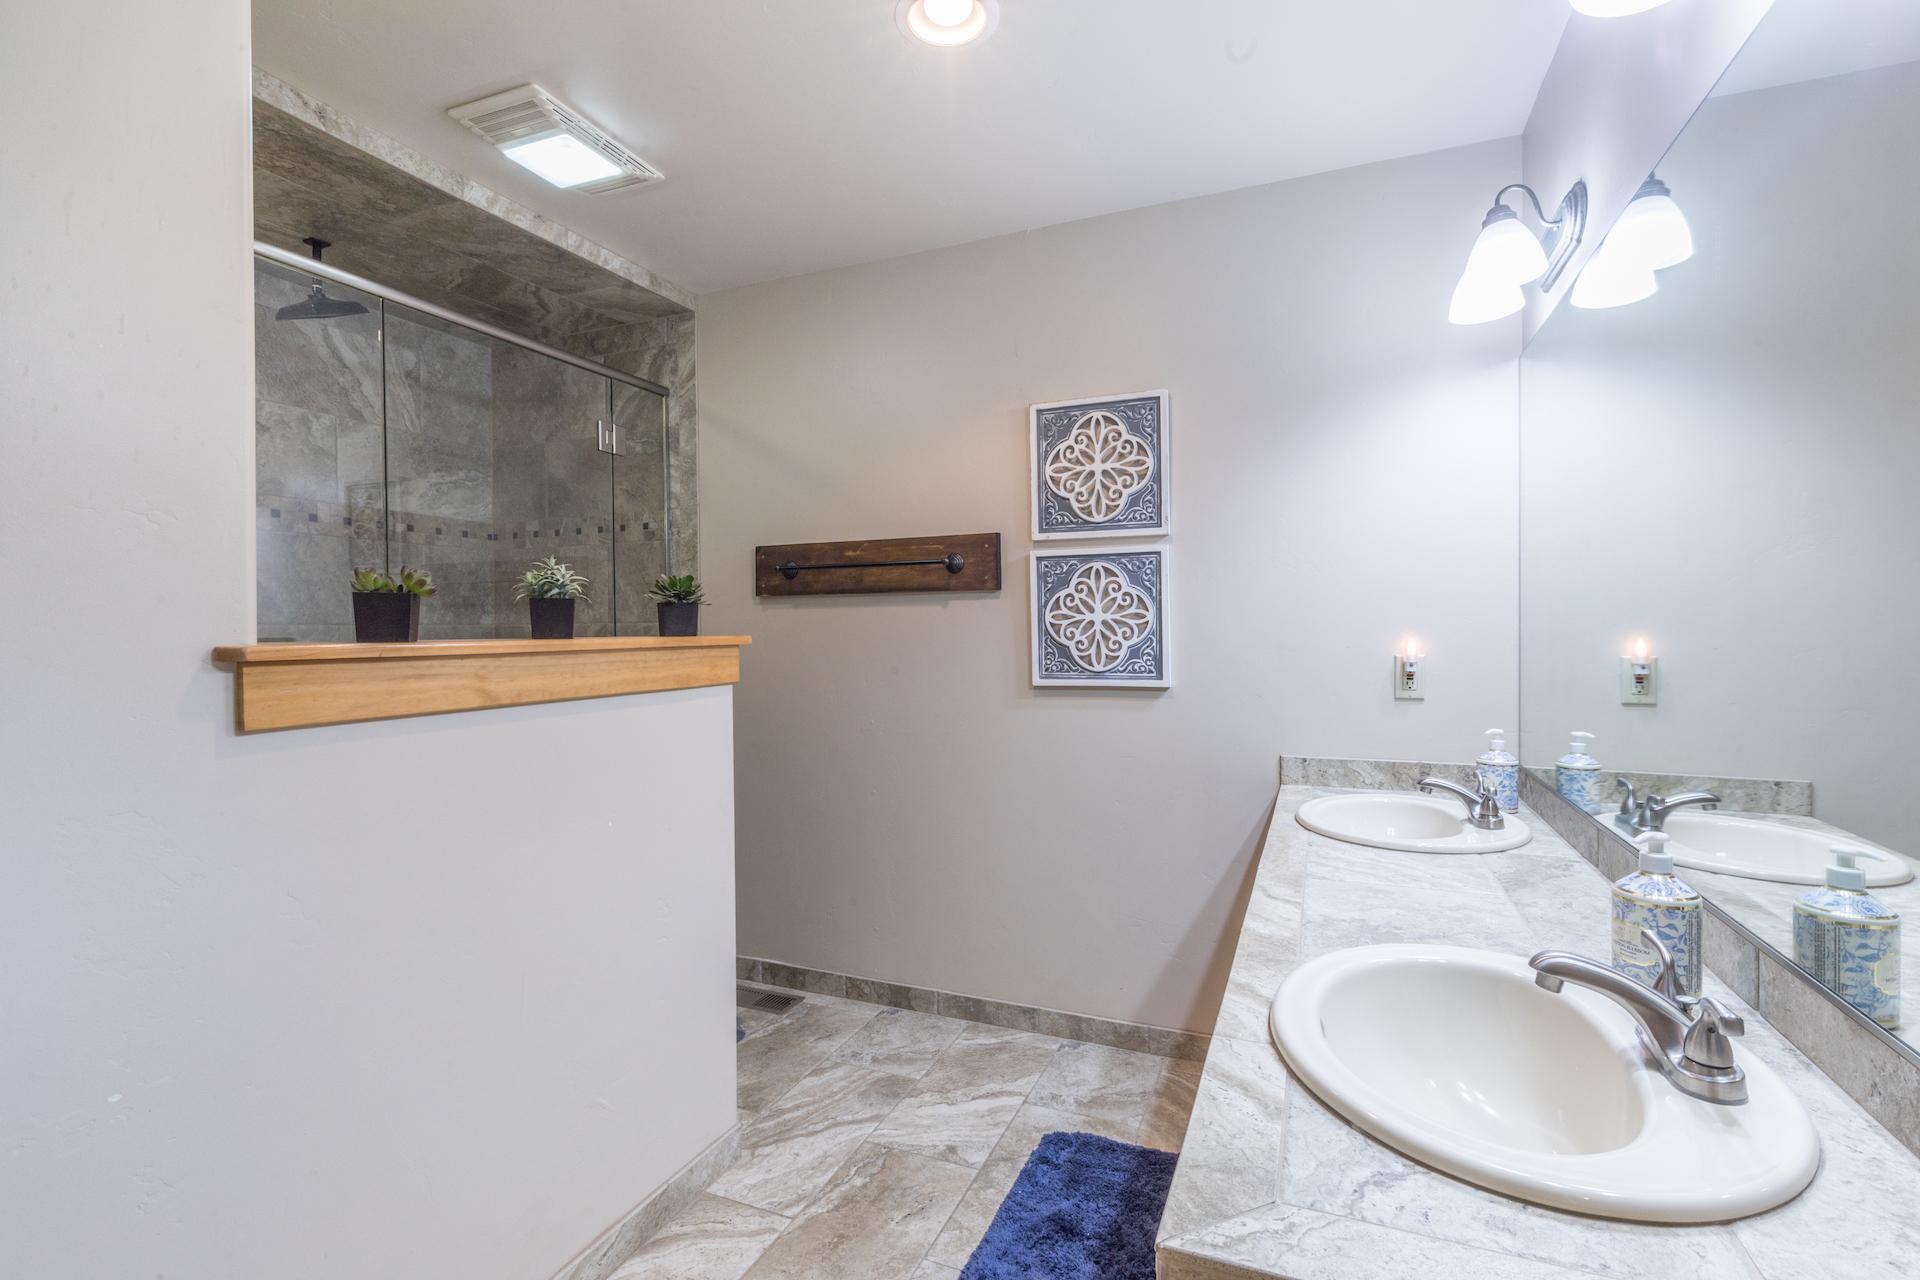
[{"x": 770, "y": 1001}]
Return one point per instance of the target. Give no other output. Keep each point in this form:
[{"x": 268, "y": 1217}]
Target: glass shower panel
[
  {"x": 639, "y": 506},
  {"x": 492, "y": 463},
  {"x": 318, "y": 468}
]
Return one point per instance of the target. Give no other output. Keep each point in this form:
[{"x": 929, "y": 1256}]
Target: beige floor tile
[
  {"x": 1165, "y": 1127},
  {"x": 793, "y": 1148},
  {"x": 963, "y": 1231},
  {"x": 900, "y": 1041},
  {"x": 962, "y": 1105},
  {"x": 712, "y": 1239},
  {"x": 874, "y": 1222},
  {"x": 934, "y": 1271},
  {"x": 1094, "y": 1080},
  {"x": 771, "y": 1061}
]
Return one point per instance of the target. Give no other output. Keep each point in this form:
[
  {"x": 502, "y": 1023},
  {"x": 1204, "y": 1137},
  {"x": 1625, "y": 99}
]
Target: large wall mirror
[{"x": 1720, "y": 500}]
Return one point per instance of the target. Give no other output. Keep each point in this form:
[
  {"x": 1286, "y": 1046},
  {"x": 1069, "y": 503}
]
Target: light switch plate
[{"x": 1637, "y": 689}]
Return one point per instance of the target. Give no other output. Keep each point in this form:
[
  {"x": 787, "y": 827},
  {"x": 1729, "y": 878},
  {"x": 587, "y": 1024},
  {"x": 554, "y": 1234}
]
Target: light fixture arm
[
  {"x": 1500, "y": 196},
  {"x": 1564, "y": 229}
]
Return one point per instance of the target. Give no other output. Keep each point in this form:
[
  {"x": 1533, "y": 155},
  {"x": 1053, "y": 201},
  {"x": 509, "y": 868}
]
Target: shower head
[{"x": 317, "y": 305}]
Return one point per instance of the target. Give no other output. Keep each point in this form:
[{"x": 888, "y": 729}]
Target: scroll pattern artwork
[
  {"x": 1099, "y": 467},
  {"x": 1100, "y": 619}
]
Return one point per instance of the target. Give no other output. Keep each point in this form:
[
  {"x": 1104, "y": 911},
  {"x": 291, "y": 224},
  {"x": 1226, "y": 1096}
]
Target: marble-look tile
[
  {"x": 1170, "y": 1107},
  {"x": 302, "y": 579},
  {"x": 1230, "y": 1160},
  {"x": 746, "y": 968},
  {"x": 1184, "y": 1046},
  {"x": 1095, "y": 1080},
  {"x": 975, "y": 1212},
  {"x": 1372, "y": 775},
  {"x": 1334, "y": 1168},
  {"x": 771, "y": 1061},
  {"x": 1337, "y": 918},
  {"x": 1288, "y": 1241},
  {"x": 712, "y": 1239},
  {"x": 795, "y": 978},
  {"x": 900, "y": 1041},
  {"x": 959, "y": 1109},
  {"x": 791, "y": 1149},
  {"x": 646, "y": 1220},
  {"x": 876, "y": 1221},
  {"x": 1270, "y": 932},
  {"x": 934, "y": 1271},
  {"x": 874, "y": 991},
  {"x": 1859, "y": 1060}
]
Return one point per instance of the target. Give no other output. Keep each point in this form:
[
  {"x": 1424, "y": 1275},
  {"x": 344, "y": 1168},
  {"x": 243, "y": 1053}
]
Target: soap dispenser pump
[
  {"x": 1849, "y": 940},
  {"x": 1657, "y": 901},
  {"x": 1499, "y": 771},
  {"x": 1577, "y": 775}
]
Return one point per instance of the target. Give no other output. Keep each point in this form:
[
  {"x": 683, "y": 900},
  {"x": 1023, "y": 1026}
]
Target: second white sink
[
  {"x": 1409, "y": 822},
  {"x": 1456, "y": 1058},
  {"x": 1756, "y": 849}
]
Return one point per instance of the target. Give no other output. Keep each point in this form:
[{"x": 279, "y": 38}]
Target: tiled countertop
[{"x": 1272, "y": 1183}]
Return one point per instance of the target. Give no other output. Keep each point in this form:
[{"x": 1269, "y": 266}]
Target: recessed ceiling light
[
  {"x": 539, "y": 132},
  {"x": 948, "y": 24}
]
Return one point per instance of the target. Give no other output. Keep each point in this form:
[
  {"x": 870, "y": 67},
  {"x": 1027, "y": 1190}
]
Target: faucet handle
[
  {"x": 1707, "y": 1041},
  {"x": 1627, "y": 800}
]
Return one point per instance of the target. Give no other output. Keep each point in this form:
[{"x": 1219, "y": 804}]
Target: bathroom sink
[
  {"x": 1455, "y": 1058},
  {"x": 1755, "y": 849},
  {"x": 1402, "y": 820}
]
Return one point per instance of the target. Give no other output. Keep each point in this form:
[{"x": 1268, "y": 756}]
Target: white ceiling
[{"x": 798, "y": 135}]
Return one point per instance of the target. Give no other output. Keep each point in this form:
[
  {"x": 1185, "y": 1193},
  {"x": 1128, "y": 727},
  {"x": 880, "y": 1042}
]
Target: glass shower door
[{"x": 639, "y": 506}]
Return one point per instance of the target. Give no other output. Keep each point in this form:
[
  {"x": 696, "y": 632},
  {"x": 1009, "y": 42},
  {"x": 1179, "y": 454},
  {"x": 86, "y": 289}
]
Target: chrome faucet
[
  {"x": 1651, "y": 813},
  {"x": 1483, "y": 807},
  {"x": 1690, "y": 1035}
]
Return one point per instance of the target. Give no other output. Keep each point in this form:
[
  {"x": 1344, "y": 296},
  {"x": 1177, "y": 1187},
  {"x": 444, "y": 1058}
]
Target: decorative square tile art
[
  {"x": 1100, "y": 467},
  {"x": 1099, "y": 619}
]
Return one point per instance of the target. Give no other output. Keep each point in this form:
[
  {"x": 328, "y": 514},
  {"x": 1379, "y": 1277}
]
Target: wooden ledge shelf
[{"x": 293, "y": 686}]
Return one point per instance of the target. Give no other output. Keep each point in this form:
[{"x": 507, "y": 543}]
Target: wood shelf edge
[{"x": 233, "y": 654}]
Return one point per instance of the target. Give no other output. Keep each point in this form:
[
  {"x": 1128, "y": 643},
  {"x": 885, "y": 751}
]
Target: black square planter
[
  {"x": 552, "y": 619},
  {"x": 679, "y": 619},
  {"x": 385, "y": 617}
]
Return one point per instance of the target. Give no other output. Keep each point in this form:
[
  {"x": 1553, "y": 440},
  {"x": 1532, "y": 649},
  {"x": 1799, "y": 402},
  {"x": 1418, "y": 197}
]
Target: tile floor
[{"x": 879, "y": 1142}]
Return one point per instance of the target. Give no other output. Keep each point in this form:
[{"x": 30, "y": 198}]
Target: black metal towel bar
[{"x": 954, "y": 564}]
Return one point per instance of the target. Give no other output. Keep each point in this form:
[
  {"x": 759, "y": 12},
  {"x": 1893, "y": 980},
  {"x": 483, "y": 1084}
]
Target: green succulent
[
  {"x": 550, "y": 580},
  {"x": 417, "y": 581},
  {"x": 677, "y": 588}
]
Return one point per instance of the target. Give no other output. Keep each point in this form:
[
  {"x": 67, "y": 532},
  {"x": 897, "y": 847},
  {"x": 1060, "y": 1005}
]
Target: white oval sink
[
  {"x": 1454, "y": 1057},
  {"x": 1402, "y": 820},
  {"x": 1756, "y": 849}
]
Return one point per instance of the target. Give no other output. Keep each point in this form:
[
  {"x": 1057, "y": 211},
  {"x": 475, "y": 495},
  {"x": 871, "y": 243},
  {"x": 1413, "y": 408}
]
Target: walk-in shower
[{"x": 391, "y": 431}]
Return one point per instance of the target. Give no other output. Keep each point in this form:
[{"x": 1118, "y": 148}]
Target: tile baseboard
[
  {"x": 619, "y": 1242},
  {"x": 1164, "y": 1042}
]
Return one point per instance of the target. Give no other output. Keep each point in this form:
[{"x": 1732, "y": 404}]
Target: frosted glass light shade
[
  {"x": 1614, "y": 8},
  {"x": 1504, "y": 256},
  {"x": 1612, "y": 279},
  {"x": 562, "y": 159},
  {"x": 1653, "y": 232},
  {"x": 1480, "y": 301},
  {"x": 948, "y": 24}
]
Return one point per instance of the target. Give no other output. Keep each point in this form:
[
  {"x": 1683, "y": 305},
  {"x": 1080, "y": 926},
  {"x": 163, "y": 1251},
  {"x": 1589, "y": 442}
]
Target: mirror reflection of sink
[
  {"x": 1409, "y": 822},
  {"x": 1756, "y": 849},
  {"x": 1455, "y": 1057}
]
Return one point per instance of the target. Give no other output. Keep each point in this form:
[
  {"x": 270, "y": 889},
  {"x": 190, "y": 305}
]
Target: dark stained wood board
[{"x": 982, "y": 571}]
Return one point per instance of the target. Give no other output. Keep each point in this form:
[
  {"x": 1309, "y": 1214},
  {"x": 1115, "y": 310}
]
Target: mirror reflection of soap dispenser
[
  {"x": 1577, "y": 776},
  {"x": 1500, "y": 771},
  {"x": 1849, "y": 940}
]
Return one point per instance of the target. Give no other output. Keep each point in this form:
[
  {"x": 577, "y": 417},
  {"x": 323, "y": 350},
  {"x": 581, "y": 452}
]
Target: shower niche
[{"x": 390, "y": 436}]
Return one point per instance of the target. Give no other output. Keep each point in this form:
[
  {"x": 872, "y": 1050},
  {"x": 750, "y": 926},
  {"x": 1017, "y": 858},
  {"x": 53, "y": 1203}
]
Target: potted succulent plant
[
  {"x": 386, "y": 609},
  {"x": 550, "y": 588},
  {"x": 679, "y": 598}
]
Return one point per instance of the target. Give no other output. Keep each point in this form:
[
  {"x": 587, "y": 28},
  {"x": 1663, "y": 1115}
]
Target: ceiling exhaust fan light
[
  {"x": 948, "y": 24},
  {"x": 562, "y": 159},
  {"x": 1614, "y": 8}
]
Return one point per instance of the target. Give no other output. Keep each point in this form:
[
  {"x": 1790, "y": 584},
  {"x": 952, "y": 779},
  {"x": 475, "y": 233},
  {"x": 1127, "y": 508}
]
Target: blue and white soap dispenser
[
  {"x": 1500, "y": 771},
  {"x": 1849, "y": 940},
  {"x": 1656, "y": 900},
  {"x": 1577, "y": 776}
]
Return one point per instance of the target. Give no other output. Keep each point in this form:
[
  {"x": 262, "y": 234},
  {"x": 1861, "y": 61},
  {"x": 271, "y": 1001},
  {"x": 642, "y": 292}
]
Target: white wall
[
  {"x": 1730, "y": 467},
  {"x": 329, "y": 1003},
  {"x": 1618, "y": 92},
  {"x": 1343, "y": 468}
]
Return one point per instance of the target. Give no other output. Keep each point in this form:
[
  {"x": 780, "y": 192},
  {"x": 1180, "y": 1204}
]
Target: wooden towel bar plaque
[{"x": 955, "y": 562}]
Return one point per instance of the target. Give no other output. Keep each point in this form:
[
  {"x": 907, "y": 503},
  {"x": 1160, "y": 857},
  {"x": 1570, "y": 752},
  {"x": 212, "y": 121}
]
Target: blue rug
[{"x": 1084, "y": 1208}]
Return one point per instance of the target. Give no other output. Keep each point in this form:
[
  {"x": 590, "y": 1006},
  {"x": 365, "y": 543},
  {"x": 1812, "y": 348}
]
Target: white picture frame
[
  {"x": 1104, "y": 647},
  {"x": 1102, "y": 497}
]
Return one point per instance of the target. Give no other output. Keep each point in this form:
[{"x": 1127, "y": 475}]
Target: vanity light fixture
[
  {"x": 547, "y": 137},
  {"x": 1506, "y": 257},
  {"x": 1614, "y": 8},
  {"x": 1639, "y": 676},
  {"x": 948, "y": 24},
  {"x": 1409, "y": 673},
  {"x": 1651, "y": 235}
]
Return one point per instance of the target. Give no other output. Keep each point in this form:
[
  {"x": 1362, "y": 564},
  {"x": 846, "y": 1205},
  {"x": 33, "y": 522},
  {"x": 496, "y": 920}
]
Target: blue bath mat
[{"x": 1084, "y": 1208}]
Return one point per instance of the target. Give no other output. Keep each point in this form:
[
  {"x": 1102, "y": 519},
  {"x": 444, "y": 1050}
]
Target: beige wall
[
  {"x": 331, "y": 1003},
  {"x": 1343, "y": 467}
]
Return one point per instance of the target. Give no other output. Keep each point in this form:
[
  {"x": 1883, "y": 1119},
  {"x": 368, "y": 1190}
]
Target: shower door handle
[{"x": 607, "y": 436}]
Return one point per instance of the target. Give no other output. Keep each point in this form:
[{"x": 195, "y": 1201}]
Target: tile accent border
[
  {"x": 1164, "y": 1042},
  {"x": 1747, "y": 795},
  {"x": 619, "y": 1242},
  {"x": 1875, "y": 1069}
]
